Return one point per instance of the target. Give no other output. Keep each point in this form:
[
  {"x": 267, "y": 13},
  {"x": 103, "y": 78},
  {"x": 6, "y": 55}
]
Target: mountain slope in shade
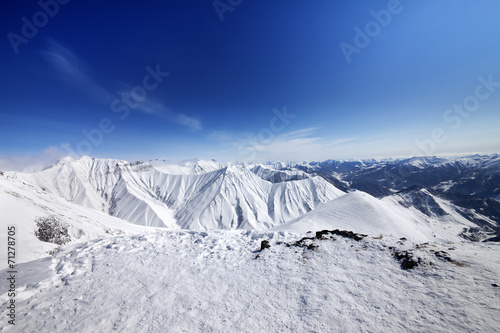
[
  {"x": 277, "y": 176},
  {"x": 469, "y": 185},
  {"x": 469, "y": 223},
  {"x": 228, "y": 198},
  {"x": 362, "y": 213},
  {"x": 21, "y": 204}
]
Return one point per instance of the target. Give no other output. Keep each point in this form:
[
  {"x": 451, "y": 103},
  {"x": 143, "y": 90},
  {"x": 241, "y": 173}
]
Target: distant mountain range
[
  {"x": 422, "y": 196},
  {"x": 463, "y": 188}
]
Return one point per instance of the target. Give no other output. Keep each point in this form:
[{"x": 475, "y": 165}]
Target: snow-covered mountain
[
  {"x": 197, "y": 196},
  {"x": 277, "y": 176},
  {"x": 472, "y": 174},
  {"x": 204, "y": 195},
  {"x": 360, "y": 212},
  {"x": 468, "y": 223},
  {"x": 201, "y": 195},
  {"x": 22, "y": 204},
  {"x": 469, "y": 185},
  {"x": 187, "y": 167}
]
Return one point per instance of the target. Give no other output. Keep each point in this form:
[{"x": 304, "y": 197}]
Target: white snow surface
[
  {"x": 187, "y": 167},
  {"x": 362, "y": 213},
  {"x": 188, "y": 281}
]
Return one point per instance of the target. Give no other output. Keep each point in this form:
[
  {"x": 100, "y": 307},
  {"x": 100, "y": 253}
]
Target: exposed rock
[
  {"x": 442, "y": 254},
  {"x": 264, "y": 245},
  {"x": 407, "y": 259},
  {"x": 312, "y": 246},
  {"x": 343, "y": 233}
]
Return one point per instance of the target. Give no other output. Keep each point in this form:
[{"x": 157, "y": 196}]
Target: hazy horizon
[{"x": 34, "y": 163}]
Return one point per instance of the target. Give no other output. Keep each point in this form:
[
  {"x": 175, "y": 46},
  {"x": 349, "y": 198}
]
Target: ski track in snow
[{"x": 188, "y": 281}]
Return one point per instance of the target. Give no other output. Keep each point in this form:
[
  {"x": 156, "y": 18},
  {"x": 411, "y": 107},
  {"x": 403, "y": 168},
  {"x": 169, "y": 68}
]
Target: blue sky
[{"x": 241, "y": 80}]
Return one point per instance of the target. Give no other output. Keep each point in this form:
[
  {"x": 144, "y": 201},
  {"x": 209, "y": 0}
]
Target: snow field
[{"x": 187, "y": 281}]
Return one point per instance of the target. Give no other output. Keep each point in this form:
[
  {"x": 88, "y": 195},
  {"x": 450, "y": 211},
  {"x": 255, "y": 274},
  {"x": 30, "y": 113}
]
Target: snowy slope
[
  {"x": 228, "y": 198},
  {"x": 468, "y": 223},
  {"x": 178, "y": 281},
  {"x": 235, "y": 198},
  {"x": 187, "y": 167},
  {"x": 21, "y": 203},
  {"x": 111, "y": 186},
  {"x": 362, "y": 213}
]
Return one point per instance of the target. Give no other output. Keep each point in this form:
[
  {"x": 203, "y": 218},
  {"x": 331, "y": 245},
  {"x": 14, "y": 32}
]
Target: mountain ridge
[
  {"x": 229, "y": 197},
  {"x": 200, "y": 195}
]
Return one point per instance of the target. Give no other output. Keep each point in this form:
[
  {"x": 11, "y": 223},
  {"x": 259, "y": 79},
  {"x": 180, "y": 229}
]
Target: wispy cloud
[
  {"x": 193, "y": 123},
  {"x": 154, "y": 107},
  {"x": 301, "y": 133},
  {"x": 220, "y": 136},
  {"x": 300, "y": 144},
  {"x": 32, "y": 163},
  {"x": 65, "y": 62},
  {"x": 71, "y": 69}
]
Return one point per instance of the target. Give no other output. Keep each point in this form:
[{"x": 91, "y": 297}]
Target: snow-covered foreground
[{"x": 218, "y": 281}]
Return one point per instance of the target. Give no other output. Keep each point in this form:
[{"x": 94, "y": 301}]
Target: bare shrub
[{"x": 52, "y": 230}]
